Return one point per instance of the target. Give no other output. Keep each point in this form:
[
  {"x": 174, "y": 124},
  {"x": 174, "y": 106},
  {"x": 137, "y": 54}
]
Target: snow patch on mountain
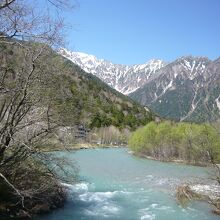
[
  {"x": 218, "y": 102},
  {"x": 193, "y": 66}
]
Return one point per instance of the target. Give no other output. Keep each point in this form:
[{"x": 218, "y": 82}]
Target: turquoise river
[{"x": 114, "y": 184}]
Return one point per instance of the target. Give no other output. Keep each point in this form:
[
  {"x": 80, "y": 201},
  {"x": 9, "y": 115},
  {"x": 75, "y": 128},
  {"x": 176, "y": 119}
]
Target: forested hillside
[{"x": 75, "y": 96}]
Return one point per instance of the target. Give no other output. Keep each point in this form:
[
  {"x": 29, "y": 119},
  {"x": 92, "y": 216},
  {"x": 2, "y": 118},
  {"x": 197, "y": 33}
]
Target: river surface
[{"x": 117, "y": 185}]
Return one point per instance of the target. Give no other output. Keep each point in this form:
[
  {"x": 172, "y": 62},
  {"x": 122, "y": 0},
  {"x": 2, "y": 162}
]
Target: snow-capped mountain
[
  {"x": 187, "y": 89},
  {"x": 124, "y": 78}
]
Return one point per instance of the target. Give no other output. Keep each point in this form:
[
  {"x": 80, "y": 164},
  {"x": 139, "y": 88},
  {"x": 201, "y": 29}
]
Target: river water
[{"x": 117, "y": 185}]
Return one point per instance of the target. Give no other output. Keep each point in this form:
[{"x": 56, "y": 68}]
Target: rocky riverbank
[
  {"x": 80, "y": 146},
  {"x": 200, "y": 192},
  {"x": 170, "y": 160},
  {"x": 39, "y": 204},
  {"x": 28, "y": 189}
]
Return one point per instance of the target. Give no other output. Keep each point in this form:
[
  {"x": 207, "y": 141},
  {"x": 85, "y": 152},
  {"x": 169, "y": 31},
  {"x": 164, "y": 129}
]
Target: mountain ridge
[
  {"x": 186, "y": 89},
  {"x": 119, "y": 76}
]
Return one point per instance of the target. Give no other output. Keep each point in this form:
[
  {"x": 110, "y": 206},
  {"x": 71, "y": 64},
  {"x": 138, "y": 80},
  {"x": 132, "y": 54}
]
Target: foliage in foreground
[
  {"x": 29, "y": 187},
  {"x": 193, "y": 143}
]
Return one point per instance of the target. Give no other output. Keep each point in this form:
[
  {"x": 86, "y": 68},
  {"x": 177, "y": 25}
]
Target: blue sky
[{"x": 134, "y": 31}]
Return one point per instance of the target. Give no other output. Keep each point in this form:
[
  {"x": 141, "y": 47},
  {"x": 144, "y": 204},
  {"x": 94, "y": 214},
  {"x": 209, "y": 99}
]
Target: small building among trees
[{"x": 82, "y": 133}]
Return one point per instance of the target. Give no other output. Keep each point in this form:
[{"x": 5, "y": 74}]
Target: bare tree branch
[
  {"x": 6, "y": 3},
  {"x": 13, "y": 187}
]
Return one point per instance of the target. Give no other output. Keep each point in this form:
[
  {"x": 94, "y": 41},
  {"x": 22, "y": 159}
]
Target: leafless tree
[{"x": 26, "y": 34}]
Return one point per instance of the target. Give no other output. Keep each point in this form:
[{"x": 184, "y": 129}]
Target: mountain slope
[
  {"x": 75, "y": 96},
  {"x": 187, "y": 89},
  {"x": 123, "y": 78},
  {"x": 98, "y": 105}
]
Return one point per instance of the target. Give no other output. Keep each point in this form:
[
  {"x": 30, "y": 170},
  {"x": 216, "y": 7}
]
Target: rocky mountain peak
[
  {"x": 186, "y": 89},
  {"x": 124, "y": 78}
]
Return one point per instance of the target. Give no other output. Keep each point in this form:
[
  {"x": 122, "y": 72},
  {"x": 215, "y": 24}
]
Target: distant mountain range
[
  {"x": 123, "y": 78},
  {"x": 187, "y": 89}
]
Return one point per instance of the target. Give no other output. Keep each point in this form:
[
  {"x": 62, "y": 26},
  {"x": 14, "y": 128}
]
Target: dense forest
[{"x": 169, "y": 141}]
